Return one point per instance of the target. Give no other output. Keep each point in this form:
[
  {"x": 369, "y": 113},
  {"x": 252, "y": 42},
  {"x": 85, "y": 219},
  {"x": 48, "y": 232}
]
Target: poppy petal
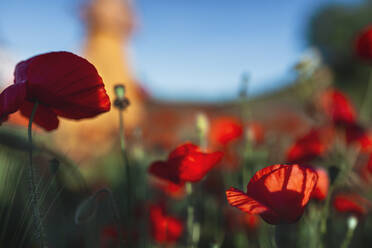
[
  {"x": 283, "y": 178},
  {"x": 225, "y": 130},
  {"x": 195, "y": 166},
  {"x": 356, "y": 134},
  {"x": 321, "y": 189},
  {"x": 265, "y": 171},
  {"x": 11, "y": 99},
  {"x": 165, "y": 171},
  {"x": 164, "y": 229},
  {"x": 66, "y": 82},
  {"x": 351, "y": 203},
  {"x": 337, "y": 107},
  {"x": 240, "y": 200},
  {"x": 310, "y": 146},
  {"x": 185, "y": 163},
  {"x": 174, "y": 229},
  {"x": 286, "y": 189},
  {"x": 183, "y": 150},
  {"x": 44, "y": 116}
]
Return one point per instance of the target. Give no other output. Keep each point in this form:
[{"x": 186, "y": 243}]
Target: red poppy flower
[
  {"x": 337, "y": 107},
  {"x": 355, "y": 134},
  {"x": 164, "y": 229},
  {"x": 279, "y": 193},
  {"x": 363, "y": 44},
  {"x": 255, "y": 132},
  {"x": 312, "y": 145},
  {"x": 351, "y": 203},
  {"x": 185, "y": 164},
  {"x": 224, "y": 130},
  {"x": 63, "y": 83},
  {"x": 321, "y": 189}
]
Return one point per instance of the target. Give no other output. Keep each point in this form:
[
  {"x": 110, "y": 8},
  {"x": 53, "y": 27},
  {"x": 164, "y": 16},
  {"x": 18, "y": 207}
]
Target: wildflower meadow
[{"x": 232, "y": 179}]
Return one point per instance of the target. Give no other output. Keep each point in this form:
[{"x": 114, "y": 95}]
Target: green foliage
[{"x": 332, "y": 29}]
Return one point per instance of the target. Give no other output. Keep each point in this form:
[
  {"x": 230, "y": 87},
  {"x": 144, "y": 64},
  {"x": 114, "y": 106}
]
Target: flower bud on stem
[
  {"x": 352, "y": 223},
  {"x": 121, "y": 102},
  {"x": 202, "y": 126}
]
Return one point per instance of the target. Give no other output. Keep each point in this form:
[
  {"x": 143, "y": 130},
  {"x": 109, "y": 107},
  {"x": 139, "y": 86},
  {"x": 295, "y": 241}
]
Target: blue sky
[{"x": 183, "y": 49}]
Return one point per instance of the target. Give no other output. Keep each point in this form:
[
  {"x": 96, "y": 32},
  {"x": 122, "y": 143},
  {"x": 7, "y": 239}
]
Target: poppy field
[{"x": 300, "y": 178}]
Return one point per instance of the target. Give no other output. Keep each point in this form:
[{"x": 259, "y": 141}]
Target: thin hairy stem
[
  {"x": 190, "y": 216},
  {"x": 39, "y": 228},
  {"x": 126, "y": 165}
]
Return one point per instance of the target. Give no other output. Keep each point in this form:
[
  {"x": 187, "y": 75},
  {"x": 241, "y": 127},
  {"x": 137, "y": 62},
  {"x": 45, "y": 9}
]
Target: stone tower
[{"x": 109, "y": 24}]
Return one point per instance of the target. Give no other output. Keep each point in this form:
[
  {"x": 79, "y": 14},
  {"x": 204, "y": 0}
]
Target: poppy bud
[
  {"x": 121, "y": 102},
  {"x": 120, "y": 91},
  {"x": 352, "y": 222},
  {"x": 202, "y": 123},
  {"x": 202, "y": 126}
]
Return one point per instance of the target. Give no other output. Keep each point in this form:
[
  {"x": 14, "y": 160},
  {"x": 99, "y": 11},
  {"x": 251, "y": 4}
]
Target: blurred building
[
  {"x": 109, "y": 25},
  {"x": 152, "y": 122}
]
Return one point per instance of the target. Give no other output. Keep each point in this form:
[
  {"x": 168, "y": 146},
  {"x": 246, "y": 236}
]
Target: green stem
[
  {"x": 365, "y": 107},
  {"x": 245, "y": 115},
  {"x": 246, "y": 158},
  {"x": 121, "y": 130},
  {"x": 190, "y": 216},
  {"x": 323, "y": 222},
  {"x": 126, "y": 164},
  {"x": 39, "y": 228}
]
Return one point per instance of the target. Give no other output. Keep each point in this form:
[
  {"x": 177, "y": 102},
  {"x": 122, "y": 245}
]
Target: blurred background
[
  {"x": 261, "y": 62},
  {"x": 174, "y": 55},
  {"x": 187, "y": 49}
]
